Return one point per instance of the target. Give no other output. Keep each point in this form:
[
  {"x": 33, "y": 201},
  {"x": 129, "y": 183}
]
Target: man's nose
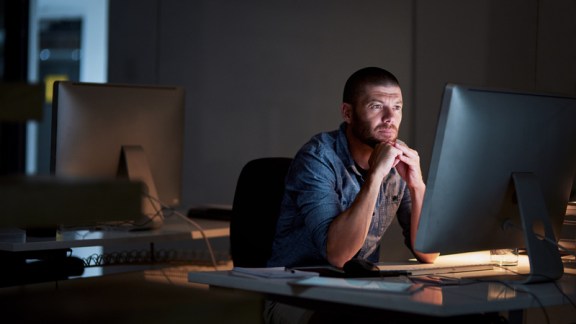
[{"x": 387, "y": 114}]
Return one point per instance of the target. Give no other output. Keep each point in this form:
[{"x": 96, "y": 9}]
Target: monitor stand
[
  {"x": 134, "y": 166},
  {"x": 543, "y": 255}
]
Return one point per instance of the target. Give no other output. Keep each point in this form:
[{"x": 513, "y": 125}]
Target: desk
[
  {"x": 15, "y": 249},
  {"x": 444, "y": 301},
  {"x": 152, "y": 296},
  {"x": 174, "y": 229}
]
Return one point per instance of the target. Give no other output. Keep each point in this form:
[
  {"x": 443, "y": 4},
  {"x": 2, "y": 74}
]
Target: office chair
[{"x": 255, "y": 210}]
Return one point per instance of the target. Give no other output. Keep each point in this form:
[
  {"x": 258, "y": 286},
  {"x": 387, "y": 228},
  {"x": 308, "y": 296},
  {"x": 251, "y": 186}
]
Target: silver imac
[
  {"x": 122, "y": 131},
  {"x": 500, "y": 176}
]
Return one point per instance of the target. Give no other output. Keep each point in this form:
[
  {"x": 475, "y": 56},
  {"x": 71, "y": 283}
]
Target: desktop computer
[
  {"x": 120, "y": 131},
  {"x": 501, "y": 174}
]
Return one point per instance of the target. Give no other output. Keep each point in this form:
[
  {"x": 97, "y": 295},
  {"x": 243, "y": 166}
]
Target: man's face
[{"x": 376, "y": 115}]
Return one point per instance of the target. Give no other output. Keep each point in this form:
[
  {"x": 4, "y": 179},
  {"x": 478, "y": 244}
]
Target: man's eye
[
  {"x": 397, "y": 107},
  {"x": 376, "y": 107}
]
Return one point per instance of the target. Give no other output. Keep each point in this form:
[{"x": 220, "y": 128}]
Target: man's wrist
[{"x": 419, "y": 188}]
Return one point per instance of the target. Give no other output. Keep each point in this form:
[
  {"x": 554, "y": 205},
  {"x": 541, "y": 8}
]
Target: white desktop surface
[
  {"x": 448, "y": 300},
  {"x": 173, "y": 229}
]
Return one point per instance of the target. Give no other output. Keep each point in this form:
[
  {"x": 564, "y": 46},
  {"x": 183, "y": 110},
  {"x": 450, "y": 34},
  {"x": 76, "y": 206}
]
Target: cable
[
  {"x": 157, "y": 211},
  {"x": 208, "y": 245},
  {"x": 558, "y": 288},
  {"x": 560, "y": 247},
  {"x": 193, "y": 223},
  {"x": 468, "y": 281},
  {"x": 128, "y": 225},
  {"x": 442, "y": 281},
  {"x": 565, "y": 295},
  {"x": 509, "y": 224},
  {"x": 538, "y": 301},
  {"x": 139, "y": 257}
]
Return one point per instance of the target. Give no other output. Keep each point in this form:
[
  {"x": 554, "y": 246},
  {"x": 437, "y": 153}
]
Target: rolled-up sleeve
[{"x": 314, "y": 191}]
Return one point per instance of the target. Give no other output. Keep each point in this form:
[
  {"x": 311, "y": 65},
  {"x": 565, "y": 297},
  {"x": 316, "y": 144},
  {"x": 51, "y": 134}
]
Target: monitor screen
[
  {"x": 501, "y": 173},
  {"x": 121, "y": 131}
]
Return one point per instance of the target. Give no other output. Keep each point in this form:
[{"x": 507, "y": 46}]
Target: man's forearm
[{"x": 348, "y": 231}]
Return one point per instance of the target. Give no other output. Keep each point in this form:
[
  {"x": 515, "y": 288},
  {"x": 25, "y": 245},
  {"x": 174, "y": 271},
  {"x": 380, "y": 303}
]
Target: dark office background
[
  {"x": 13, "y": 68},
  {"x": 262, "y": 77}
]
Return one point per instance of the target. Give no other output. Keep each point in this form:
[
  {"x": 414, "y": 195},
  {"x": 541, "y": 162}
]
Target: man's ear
[{"x": 347, "y": 112}]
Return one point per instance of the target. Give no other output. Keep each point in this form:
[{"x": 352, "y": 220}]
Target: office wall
[
  {"x": 520, "y": 44},
  {"x": 262, "y": 77}
]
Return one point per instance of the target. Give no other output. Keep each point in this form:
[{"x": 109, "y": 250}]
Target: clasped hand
[{"x": 388, "y": 155}]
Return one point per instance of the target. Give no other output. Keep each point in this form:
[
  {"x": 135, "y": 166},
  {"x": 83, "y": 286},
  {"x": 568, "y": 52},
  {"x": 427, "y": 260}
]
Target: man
[{"x": 344, "y": 187}]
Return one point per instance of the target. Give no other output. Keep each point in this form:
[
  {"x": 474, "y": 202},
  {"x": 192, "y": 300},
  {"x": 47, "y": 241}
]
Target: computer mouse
[{"x": 360, "y": 268}]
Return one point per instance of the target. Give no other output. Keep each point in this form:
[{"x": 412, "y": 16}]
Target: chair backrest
[{"x": 255, "y": 210}]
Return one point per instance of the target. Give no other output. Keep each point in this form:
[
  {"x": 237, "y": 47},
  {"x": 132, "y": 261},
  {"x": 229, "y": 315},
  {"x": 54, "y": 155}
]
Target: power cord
[
  {"x": 509, "y": 224},
  {"x": 158, "y": 212},
  {"x": 450, "y": 281},
  {"x": 202, "y": 232},
  {"x": 189, "y": 221}
]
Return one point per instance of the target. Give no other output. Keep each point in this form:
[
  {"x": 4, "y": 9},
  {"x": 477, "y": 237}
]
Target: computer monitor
[
  {"x": 107, "y": 131},
  {"x": 500, "y": 176}
]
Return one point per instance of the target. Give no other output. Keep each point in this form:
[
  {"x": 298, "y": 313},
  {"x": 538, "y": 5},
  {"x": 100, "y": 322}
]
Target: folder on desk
[{"x": 272, "y": 273}]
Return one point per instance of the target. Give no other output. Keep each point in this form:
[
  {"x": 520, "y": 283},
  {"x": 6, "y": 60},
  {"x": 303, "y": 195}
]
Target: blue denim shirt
[{"x": 322, "y": 182}]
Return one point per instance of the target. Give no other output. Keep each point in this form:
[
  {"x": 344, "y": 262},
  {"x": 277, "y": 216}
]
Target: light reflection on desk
[
  {"x": 433, "y": 295},
  {"x": 429, "y": 295},
  {"x": 497, "y": 291},
  {"x": 440, "y": 293}
]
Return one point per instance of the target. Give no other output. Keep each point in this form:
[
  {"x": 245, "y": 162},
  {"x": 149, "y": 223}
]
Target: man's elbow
[
  {"x": 336, "y": 260},
  {"x": 426, "y": 257}
]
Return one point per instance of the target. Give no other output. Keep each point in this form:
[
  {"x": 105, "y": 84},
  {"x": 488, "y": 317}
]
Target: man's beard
[{"x": 365, "y": 135}]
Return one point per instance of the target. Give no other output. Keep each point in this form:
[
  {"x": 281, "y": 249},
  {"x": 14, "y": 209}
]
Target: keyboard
[
  {"x": 434, "y": 269},
  {"x": 400, "y": 270}
]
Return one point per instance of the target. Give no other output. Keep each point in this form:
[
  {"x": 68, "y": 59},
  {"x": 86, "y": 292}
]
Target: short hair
[{"x": 358, "y": 81}]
